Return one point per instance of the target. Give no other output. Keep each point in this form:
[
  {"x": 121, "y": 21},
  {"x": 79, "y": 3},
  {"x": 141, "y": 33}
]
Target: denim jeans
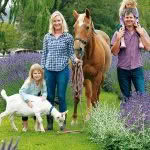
[
  {"x": 126, "y": 77},
  {"x": 59, "y": 80}
]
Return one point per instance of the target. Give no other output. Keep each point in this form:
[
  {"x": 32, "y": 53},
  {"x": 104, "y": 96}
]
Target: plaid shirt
[{"x": 57, "y": 52}]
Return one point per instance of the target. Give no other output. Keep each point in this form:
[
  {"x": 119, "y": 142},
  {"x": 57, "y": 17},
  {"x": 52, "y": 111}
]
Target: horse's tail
[
  {"x": 106, "y": 45},
  {"x": 104, "y": 35},
  {"x": 108, "y": 58},
  {"x": 4, "y": 95}
]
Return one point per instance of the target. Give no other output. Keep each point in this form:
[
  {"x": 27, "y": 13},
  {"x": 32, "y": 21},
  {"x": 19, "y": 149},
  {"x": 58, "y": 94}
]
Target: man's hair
[{"x": 129, "y": 11}]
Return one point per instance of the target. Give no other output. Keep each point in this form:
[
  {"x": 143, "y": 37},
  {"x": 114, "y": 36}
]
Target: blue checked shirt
[{"x": 57, "y": 51}]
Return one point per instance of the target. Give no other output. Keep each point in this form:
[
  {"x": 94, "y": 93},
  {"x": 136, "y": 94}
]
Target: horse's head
[{"x": 83, "y": 29}]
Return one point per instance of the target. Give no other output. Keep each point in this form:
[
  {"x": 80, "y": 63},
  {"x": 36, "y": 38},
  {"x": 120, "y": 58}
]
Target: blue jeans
[
  {"x": 126, "y": 77},
  {"x": 59, "y": 80}
]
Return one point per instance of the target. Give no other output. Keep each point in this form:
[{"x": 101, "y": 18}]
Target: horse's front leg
[
  {"x": 74, "y": 116},
  {"x": 96, "y": 87},
  {"x": 88, "y": 93}
]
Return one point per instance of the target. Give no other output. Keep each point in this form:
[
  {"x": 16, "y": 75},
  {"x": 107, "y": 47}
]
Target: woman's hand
[
  {"x": 30, "y": 104},
  {"x": 79, "y": 62}
]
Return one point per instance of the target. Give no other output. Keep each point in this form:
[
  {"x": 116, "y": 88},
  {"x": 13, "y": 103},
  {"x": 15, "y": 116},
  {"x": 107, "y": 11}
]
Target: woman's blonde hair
[
  {"x": 64, "y": 24},
  {"x": 32, "y": 69},
  {"x": 124, "y": 3}
]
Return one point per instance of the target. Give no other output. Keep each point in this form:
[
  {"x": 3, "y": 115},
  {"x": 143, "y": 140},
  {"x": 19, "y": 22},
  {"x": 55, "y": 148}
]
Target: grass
[{"x": 52, "y": 140}]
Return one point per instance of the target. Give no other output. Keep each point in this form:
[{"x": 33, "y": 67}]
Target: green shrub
[{"x": 105, "y": 128}]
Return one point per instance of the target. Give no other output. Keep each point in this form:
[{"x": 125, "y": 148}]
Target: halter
[{"x": 84, "y": 42}]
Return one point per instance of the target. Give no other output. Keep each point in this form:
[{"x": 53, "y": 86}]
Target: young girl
[
  {"x": 124, "y": 5},
  {"x": 34, "y": 85}
]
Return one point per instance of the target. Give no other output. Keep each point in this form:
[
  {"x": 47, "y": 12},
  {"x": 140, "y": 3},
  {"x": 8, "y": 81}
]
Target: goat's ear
[
  {"x": 75, "y": 14},
  {"x": 66, "y": 112}
]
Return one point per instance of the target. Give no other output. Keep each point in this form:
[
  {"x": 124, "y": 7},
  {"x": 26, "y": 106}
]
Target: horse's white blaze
[{"x": 81, "y": 19}]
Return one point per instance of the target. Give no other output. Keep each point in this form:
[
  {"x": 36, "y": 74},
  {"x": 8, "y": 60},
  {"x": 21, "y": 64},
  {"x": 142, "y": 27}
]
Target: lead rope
[
  {"x": 77, "y": 86},
  {"x": 77, "y": 80}
]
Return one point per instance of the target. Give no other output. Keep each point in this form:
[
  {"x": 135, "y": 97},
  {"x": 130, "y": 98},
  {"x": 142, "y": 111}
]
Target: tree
[
  {"x": 32, "y": 16},
  {"x": 9, "y": 37}
]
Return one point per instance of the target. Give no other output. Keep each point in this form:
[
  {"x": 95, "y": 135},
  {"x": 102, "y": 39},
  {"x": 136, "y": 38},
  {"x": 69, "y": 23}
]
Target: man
[{"x": 129, "y": 67}]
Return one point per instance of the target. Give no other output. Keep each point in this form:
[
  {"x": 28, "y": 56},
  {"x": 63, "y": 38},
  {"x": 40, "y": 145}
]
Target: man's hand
[
  {"x": 140, "y": 30},
  {"x": 30, "y": 104}
]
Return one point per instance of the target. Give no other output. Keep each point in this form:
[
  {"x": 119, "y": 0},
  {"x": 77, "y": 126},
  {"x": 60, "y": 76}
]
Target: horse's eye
[{"x": 87, "y": 28}]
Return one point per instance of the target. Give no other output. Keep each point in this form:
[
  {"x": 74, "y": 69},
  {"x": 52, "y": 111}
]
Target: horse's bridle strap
[{"x": 82, "y": 41}]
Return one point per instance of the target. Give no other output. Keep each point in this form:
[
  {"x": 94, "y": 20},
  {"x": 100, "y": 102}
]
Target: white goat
[{"x": 16, "y": 105}]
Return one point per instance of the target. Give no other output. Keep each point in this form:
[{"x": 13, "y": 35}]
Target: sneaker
[
  {"x": 123, "y": 45},
  {"x": 24, "y": 129},
  {"x": 141, "y": 45}
]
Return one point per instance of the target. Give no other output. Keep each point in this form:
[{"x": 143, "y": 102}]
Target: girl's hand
[
  {"x": 43, "y": 98},
  {"x": 30, "y": 104}
]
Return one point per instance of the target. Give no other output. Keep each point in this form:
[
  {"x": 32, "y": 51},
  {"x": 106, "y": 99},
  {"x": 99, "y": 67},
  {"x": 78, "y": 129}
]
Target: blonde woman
[
  {"x": 57, "y": 50},
  {"x": 34, "y": 85},
  {"x": 125, "y": 4}
]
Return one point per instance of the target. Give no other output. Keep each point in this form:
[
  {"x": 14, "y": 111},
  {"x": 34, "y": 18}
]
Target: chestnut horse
[{"x": 93, "y": 47}]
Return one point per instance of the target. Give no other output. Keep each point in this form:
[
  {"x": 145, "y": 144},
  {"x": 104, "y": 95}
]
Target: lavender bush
[
  {"x": 15, "y": 68},
  {"x": 110, "y": 133},
  {"x": 136, "y": 111},
  {"x": 147, "y": 80},
  {"x": 9, "y": 146},
  {"x": 111, "y": 82}
]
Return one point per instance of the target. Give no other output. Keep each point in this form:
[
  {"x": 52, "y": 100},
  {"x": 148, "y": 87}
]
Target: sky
[
  {"x": 7, "y": 10},
  {"x": 9, "y": 2}
]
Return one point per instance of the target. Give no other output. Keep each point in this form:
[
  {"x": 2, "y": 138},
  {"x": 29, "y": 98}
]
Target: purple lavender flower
[
  {"x": 136, "y": 111},
  {"x": 15, "y": 68}
]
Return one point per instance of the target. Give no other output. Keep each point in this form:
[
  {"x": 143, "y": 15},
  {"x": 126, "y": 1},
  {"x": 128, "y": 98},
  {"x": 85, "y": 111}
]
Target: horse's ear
[
  {"x": 93, "y": 26},
  {"x": 87, "y": 12},
  {"x": 75, "y": 14}
]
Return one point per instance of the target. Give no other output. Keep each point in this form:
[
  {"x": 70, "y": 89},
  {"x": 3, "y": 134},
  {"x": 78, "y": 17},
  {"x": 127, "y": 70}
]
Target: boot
[
  {"x": 49, "y": 122},
  {"x": 140, "y": 43},
  {"x": 64, "y": 125}
]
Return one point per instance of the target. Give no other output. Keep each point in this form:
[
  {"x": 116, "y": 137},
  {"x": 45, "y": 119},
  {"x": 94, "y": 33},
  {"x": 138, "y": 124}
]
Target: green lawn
[{"x": 32, "y": 140}]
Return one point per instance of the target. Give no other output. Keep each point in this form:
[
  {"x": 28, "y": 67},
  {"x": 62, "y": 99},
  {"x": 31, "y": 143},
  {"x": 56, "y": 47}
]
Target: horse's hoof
[{"x": 87, "y": 118}]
